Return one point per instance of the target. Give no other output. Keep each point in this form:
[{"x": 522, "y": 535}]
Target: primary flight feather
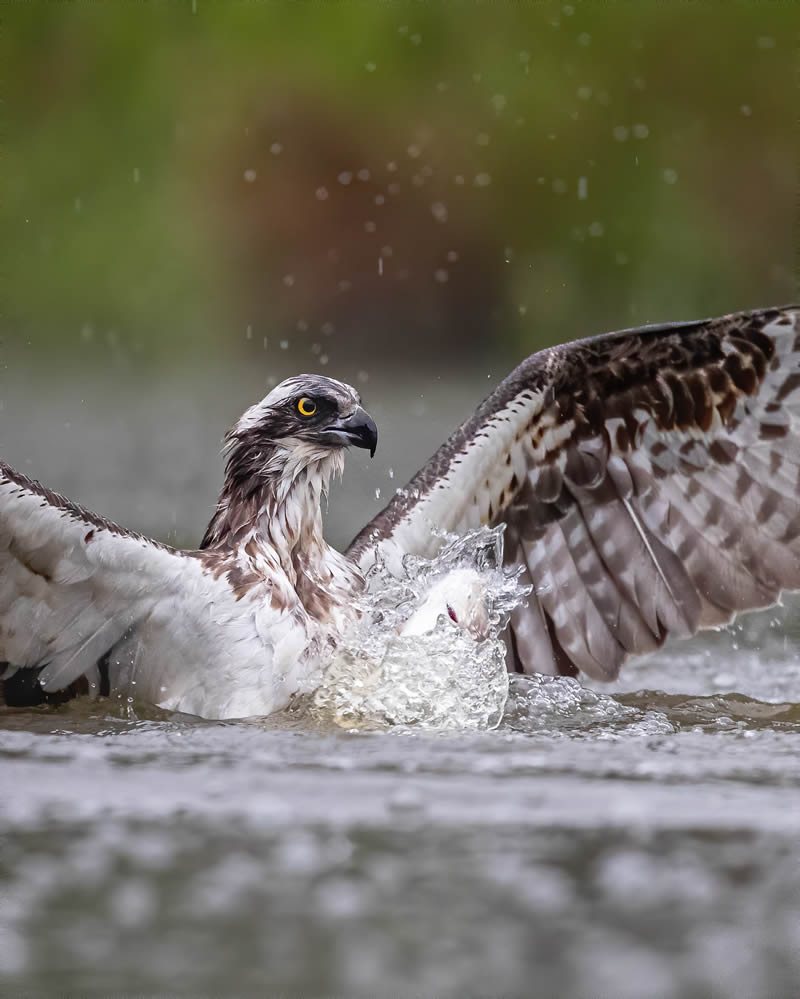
[{"x": 649, "y": 481}]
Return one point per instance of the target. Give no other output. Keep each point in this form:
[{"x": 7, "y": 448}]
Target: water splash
[
  {"x": 559, "y": 704},
  {"x": 450, "y": 676}
]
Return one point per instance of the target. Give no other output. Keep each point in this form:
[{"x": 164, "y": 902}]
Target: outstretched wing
[
  {"x": 649, "y": 481},
  {"x": 71, "y": 583}
]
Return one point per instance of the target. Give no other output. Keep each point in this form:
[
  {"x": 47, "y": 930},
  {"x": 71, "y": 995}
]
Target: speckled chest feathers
[{"x": 267, "y": 526}]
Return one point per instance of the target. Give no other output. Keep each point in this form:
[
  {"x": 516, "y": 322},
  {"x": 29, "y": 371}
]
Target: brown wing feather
[{"x": 649, "y": 481}]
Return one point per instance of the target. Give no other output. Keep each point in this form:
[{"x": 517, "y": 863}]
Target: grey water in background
[{"x": 633, "y": 841}]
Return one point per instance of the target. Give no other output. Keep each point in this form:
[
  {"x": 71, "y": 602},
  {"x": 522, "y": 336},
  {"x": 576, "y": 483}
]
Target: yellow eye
[{"x": 306, "y": 407}]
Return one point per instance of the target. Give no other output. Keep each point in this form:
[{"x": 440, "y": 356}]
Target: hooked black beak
[{"x": 358, "y": 429}]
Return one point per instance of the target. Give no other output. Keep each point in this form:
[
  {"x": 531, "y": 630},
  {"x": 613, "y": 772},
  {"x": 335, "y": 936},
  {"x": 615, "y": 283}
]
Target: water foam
[{"x": 452, "y": 676}]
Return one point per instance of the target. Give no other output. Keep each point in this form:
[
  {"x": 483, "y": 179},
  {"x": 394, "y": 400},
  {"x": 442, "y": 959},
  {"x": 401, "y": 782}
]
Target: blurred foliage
[{"x": 404, "y": 179}]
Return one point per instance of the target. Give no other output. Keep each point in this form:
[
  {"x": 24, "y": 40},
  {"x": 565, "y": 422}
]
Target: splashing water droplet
[{"x": 439, "y": 673}]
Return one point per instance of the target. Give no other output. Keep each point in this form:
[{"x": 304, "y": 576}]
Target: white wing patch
[
  {"x": 74, "y": 589},
  {"x": 478, "y": 482}
]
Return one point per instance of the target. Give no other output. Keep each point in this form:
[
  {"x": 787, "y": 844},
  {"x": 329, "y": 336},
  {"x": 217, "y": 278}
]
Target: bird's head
[
  {"x": 285, "y": 449},
  {"x": 305, "y": 419}
]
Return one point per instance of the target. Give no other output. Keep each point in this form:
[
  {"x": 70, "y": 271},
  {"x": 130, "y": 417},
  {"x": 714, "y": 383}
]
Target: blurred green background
[
  {"x": 180, "y": 176},
  {"x": 382, "y": 190}
]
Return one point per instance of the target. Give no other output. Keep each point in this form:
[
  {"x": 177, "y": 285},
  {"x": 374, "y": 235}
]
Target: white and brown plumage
[
  {"x": 228, "y": 631},
  {"x": 649, "y": 481}
]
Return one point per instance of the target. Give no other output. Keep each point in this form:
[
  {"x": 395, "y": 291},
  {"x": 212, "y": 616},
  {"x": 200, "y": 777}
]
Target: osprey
[{"x": 648, "y": 480}]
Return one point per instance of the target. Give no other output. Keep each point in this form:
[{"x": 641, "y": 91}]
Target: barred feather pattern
[{"x": 649, "y": 481}]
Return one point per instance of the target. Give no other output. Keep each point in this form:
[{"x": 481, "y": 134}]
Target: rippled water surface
[{"x": 635, "y": 842}]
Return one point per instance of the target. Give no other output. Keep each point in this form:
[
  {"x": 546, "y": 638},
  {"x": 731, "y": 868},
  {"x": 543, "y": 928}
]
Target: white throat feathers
[{"x": 279, "y": 466}]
